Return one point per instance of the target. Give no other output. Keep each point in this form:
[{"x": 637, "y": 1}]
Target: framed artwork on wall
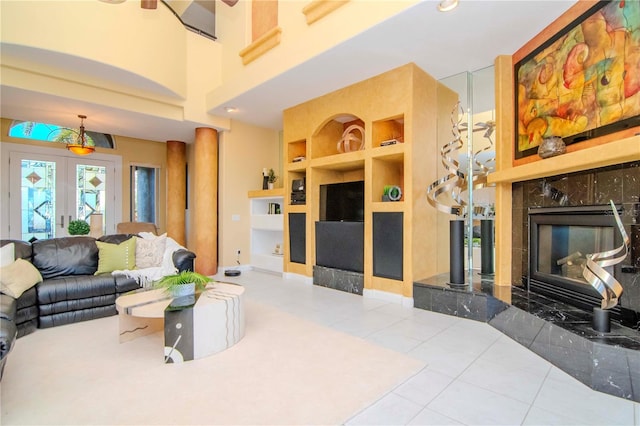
[{"x": 582, "y": 83}]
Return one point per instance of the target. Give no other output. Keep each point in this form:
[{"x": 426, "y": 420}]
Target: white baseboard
[
  {"x": 238, "y": 267},
  {"x": 298, "y": 277},
  {"x": 407, "y": 302},
  {"x": 266, "y": 271}
]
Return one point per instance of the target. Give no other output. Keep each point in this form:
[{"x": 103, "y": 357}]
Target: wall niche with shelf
[
  {"x": 388, "y": 132},
  {"x": 297, "y": 151},
  {"x": 327, "y": 140},
  {"x": 387, "y": 170}
]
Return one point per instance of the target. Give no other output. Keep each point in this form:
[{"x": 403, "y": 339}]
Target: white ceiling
[{"x": 443, "y": 44}]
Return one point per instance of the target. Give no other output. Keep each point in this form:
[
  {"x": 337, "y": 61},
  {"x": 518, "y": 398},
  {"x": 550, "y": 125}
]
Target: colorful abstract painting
[{"x": 584, "y": 82}]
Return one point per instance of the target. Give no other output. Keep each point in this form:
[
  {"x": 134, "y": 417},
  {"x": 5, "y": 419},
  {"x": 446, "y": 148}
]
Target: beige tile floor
[
  {"x": 472, "y": 373},
  {"x": 466, "y": 372}
]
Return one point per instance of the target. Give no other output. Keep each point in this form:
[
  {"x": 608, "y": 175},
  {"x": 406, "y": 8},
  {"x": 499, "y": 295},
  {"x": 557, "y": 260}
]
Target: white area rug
[{"x": 285, "y": 371}]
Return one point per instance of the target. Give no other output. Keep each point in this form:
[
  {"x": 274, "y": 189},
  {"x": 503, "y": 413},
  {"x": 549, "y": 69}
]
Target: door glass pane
[
  {"x": 38, "y": 201},
  {"x": 90, "y": 190},
  {"x": 143, "y": 194}
]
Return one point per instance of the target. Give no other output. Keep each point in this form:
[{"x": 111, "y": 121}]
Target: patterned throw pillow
[
  {"x": 113, "y": 257},
  {"x": 149, "y": 253}
]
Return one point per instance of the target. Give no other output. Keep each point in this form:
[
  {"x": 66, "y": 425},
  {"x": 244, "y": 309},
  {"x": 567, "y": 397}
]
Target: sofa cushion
[
  {"x": 18, "y": 277},
  {"x": 26, "y": 314},
  {"x": 28, "y": 298},
  {"x": 125, "y": 284},
  {"x": 54, "y": 320},
  {"x": 77, "y": 304},
  {"x": 115, "y": 238},
  {"x": 116, "y": 256},
  {"x": 65, "y": 256},
  {"x": 22, "y": 249},
  {"x": 74, "y": 287}
]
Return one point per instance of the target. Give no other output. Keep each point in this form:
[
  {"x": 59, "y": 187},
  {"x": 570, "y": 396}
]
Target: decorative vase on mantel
[{"x": 551, "y": 146}]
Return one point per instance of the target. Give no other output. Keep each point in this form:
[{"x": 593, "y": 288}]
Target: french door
[{"x": 47, "y": 191}]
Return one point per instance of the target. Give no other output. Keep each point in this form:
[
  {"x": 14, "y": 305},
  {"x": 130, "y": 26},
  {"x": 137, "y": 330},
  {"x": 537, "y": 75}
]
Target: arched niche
[{"x": 326, "y": 138}]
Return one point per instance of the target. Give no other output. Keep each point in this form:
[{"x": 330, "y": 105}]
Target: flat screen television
[{"x": 342, "y": 202}]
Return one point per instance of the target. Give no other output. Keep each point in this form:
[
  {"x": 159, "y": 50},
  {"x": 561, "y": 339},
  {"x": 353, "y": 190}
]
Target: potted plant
[
  {"x": 78, "y": 227},
  {"x": 271, "y": 178},
  {"x": 183, "y": 283}
]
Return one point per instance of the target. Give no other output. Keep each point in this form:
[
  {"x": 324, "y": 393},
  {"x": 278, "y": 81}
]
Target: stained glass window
[{"x": 55, "y": 133}]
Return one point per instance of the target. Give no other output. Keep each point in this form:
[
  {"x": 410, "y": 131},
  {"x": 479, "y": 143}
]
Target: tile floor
[{"x": 472, "y": 373}]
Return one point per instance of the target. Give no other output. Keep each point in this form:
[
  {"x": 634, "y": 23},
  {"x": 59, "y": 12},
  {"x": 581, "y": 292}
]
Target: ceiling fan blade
[
  {"x": 149, "y": 4},
  {"x": 230, "y": 2}
]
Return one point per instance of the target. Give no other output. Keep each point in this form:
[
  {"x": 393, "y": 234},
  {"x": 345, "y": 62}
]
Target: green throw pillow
[{"x": 113, "y": 257}]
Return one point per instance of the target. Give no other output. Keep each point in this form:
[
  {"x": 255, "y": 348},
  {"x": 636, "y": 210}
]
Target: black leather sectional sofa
[{"x": 69, "y": 291}]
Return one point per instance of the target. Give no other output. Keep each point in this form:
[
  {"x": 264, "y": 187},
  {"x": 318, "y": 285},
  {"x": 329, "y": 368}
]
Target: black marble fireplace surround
[{"x": 620, "y": 183}]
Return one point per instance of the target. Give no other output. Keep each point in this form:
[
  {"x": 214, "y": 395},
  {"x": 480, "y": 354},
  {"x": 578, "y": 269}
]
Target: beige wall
[
  {"x": 244, "y": 151},
  {"x": 133, "y": 151},
  {"x": 300, "y": 42}
]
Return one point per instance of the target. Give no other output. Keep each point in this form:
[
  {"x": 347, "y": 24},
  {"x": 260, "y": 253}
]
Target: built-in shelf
[
  {"x": 263, "y": 193},
  {"x": 389, "y": 153},
  {"x": 296, "y": 151},
  {"x": 267, "y": 229},
  {"x": 397, "y": 137},
  {"x": 388, "y": 130},
  {"x": 297, "y": 208},
  {"x": 344, "y": 162},
  {"x": 387, "y": 206},
  {"x": 298, "y": 166}
]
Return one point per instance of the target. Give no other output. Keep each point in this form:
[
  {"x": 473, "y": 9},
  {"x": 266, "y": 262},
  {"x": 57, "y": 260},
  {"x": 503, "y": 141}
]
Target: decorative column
[
  {"x": 205, "y": 200},
  {"x": 176, "y": 190}
]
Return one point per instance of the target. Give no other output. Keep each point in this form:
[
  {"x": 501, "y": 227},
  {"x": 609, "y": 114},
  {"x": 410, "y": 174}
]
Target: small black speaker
[{"x": 298, "y": 185}]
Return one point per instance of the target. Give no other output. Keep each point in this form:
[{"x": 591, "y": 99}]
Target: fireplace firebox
[{"x": 559, "y": 240}]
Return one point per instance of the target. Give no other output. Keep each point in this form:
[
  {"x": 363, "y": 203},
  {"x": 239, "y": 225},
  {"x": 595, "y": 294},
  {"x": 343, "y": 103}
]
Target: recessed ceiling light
[
  {"x": 230, "y": 109},
  {"x": 447, "y": 5}
]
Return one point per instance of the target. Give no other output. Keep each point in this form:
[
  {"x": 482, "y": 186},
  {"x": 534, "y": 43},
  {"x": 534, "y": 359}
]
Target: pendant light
[{"x": 81, "y": 146}]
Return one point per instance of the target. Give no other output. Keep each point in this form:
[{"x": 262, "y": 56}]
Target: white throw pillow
[
  {"x": 150, "y": 252},
  {"x": 7, "y": 254}
]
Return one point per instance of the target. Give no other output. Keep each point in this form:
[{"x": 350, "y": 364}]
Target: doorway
[{"x": 46, "y": 188}]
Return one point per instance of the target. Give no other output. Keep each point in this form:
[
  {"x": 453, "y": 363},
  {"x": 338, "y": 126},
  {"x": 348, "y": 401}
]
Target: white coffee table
[{"x": 194, "y": 326}]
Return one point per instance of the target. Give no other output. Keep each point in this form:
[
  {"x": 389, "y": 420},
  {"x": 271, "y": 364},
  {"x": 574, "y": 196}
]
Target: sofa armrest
[
  {"x": 8, "y": 335},
  {"x": 183, "y": 259},
  {"x": 8, "y": 307}
]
